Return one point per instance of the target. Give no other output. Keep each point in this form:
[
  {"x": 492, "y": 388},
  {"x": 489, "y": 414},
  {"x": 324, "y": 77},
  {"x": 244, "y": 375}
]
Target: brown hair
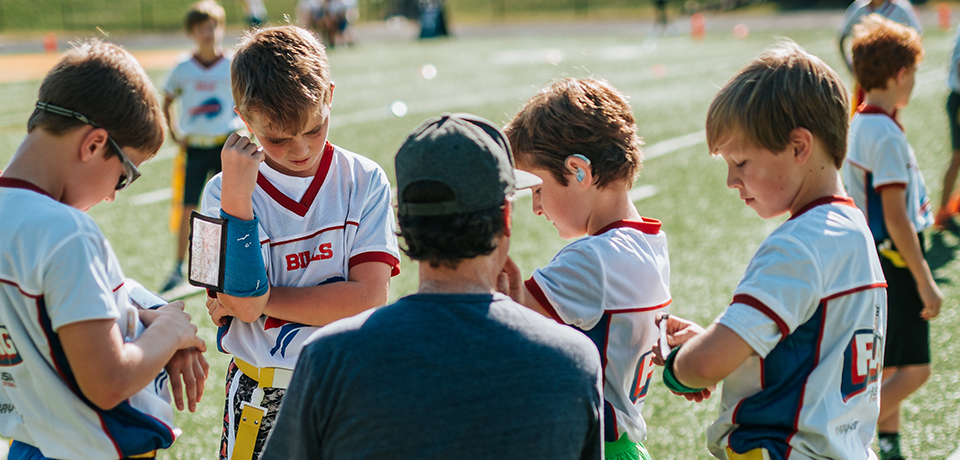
[
  {"x": 202, "y": 12},
  {"x": 881, "y": 48},
  {"x": 783, "y": 89},
  {"x": 105, "y": 83},
  {"x": 578, "y": 116},
  {"x": 282, "y": 74}
]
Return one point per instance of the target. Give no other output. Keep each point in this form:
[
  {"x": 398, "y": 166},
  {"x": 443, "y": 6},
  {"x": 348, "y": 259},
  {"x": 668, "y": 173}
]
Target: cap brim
[{"x": 524, "y": 179}]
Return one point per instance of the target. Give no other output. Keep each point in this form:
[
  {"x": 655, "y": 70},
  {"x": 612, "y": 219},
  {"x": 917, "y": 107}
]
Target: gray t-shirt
[{"x": 440, "y": 376}]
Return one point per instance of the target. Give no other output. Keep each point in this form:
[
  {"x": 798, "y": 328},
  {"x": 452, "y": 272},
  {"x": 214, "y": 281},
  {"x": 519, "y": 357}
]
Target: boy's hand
[
  {"x": 932, "y": 299},
  {"x": 188, "y": 371},
  {"x": 173, "y": 320},
  {"x": 510, "y": 281},
  {"x": 240, "y": 160},
  {"x": 679, "y": 331},
  {"x": 218, "y": 312}
]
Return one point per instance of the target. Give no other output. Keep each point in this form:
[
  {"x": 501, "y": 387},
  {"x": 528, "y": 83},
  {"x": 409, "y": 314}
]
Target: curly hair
[
  {"x": 881, "y": 48},
  {"x": 447, "y": 239}
]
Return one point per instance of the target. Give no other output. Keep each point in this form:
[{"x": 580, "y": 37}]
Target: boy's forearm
[
  {"x": 246, "y": 309},
  {"x": 367, "y": 287},
  {"x": 710, "y": 357}
]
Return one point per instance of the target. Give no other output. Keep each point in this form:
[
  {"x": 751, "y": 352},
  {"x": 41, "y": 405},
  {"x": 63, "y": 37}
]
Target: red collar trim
[
  {"x": 872, "y": 109},
  {"x": 645, "y": 225},
  {"x": 825, "y": 200},
  {"x": 8, "y": 182},
  {"x": 300, "y": 208}
]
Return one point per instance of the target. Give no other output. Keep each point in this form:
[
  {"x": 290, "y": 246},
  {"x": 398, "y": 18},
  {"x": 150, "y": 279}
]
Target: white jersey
[
  {"x": 611, "y": 286},
  {"x": 312, "y": 231},
  {"x": 953, "y": 78},
  {"x": 879, "y": 156},
  {"x": 58, "y": 269},
  {"x": 812, "y": 305},
  {"x": 204, "y": 97},
  {"x": 899, "y": 11}
]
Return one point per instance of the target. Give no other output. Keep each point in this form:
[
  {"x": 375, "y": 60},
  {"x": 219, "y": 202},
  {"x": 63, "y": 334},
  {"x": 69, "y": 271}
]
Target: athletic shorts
[
  {"x": 953, "y": 114},
  {"x": 239, "y": 390},
  {"x": 625, "y": 449},
  {"x": 908, "y": 335},
  {"x": 202, "y": 164}
]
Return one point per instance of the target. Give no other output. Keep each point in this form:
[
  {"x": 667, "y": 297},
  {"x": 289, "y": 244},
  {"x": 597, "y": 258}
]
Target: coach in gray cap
[{"x": 457, "y": 370}]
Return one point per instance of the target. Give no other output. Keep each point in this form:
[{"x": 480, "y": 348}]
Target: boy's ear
[
  {"x": 579, "y": 166},
  {"x": 898, "y": 77},
  {"x": 507, "y": 219},
  {"x": 92, "y": 142},
  {"x": 801, "y": 144},
  {"x": 245, "y": 122},
  {"x": 330, "y": 97}
]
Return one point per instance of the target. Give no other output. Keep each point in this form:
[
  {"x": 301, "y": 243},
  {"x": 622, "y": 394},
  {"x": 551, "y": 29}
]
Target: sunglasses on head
[{"x": 131, "y": 173}]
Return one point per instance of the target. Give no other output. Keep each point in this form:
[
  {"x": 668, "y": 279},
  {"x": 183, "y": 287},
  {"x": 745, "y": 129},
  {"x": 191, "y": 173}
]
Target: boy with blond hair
[
  {"x": 799, "y": 347},
  {"x": 580, "y": 138},
  {"x": 884, "y": 179},
  {"x": 200, "y": 85},
  {"x": 310, "y": 231},
  {"x": 83, "y": 368}
]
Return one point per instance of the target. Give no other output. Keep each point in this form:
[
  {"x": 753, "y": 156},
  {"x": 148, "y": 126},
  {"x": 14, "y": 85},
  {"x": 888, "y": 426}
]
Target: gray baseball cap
[{"x": 464, "y": 152}]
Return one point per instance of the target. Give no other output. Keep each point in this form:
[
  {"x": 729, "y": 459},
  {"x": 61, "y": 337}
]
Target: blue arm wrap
[
  {"x": 670, "y": 379},
  {"x": 244, "y": 272}
]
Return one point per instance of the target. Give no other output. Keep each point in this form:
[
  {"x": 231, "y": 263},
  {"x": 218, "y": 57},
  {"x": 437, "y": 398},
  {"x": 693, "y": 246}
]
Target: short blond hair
[
  {"x": 105, "y": 83},
  {"x": 783, "y": 89},
  {"x": 572, "y": 116},
  {"x": 203, "y": 11},
  {"x": 881, "y": 48},
  {"x": 281, "y": 73}
]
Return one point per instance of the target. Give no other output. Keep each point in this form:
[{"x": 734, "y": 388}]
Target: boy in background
[
  {"x": 580, "y": 138},
  {"x": 950, "y": 205},
  {"x": 884, "y": 179},
  {"x": 200, "y": 86},
  {"x": 316, "y": 237},
  {"x": 799, "y": 347},
  {"x": 83, "y": 369}
]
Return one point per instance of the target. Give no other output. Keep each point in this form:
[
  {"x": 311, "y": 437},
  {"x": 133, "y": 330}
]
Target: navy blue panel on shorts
[
  {"x": 202, "y": 164},
  {"x": 908, "y": 335}
]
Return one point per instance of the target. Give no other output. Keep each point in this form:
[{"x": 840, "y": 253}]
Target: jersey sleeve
[
  {"x": 172, "y": 87},
  {"x": 780, "y": 291},
  {"x": 80, "y": 279},
  {"x": 571, "y": 286},
  {"x": 890, "y": 162},
  {"x": 376, "y": 239}
]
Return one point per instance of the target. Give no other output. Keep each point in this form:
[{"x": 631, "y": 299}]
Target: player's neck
[
  {"x": 42, "y": 160},
  {"x": 821, "y": 180},
  {"x": 885, "y": 99},
  {"x": 208, "y": 55},
  {"x": 610, "y": 206}
]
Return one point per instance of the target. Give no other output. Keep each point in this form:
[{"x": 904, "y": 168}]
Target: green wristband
[{"x": 670, "y": 380}]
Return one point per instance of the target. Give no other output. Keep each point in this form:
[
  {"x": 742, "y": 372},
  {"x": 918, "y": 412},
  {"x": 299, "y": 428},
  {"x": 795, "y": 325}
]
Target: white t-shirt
[
  {"x": 812, "y": 305},
  {"x": 611, "y": 286},
  {"x": 204, "y": 97},
  {"x": 58, "y": 269},
  {"x": 900, "y": 11},
  {"x": 312, "y": 231},
  {"x": 879, "y": 156}
]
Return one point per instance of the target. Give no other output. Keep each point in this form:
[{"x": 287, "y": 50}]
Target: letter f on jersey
[{"x": 861, "y": 363}]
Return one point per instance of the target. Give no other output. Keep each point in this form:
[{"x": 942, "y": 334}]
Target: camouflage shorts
[{"x": 271, "y": 402}]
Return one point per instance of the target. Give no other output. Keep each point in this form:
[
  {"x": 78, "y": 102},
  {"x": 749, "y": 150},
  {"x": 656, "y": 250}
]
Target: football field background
[{"x": 670, "y": 80}]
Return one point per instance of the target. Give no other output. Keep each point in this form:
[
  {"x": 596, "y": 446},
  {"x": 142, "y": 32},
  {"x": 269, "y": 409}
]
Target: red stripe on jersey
[
  {"x": 883, "y": 187},
  {"x": 26, "y": 294},
  {"x": 118, "y": 287},
  {"x": 636, "y": 310},
  {"x": 300, "y": 208},
  {"x": 645, "y": 225},
  {"x": 875, "y": 110},
  {"x": 384, "y": 257},
  {"x": 854, "y": 290},
  {"x": 541, "y": 298},
  {"x": 307, "y": 237},
  {"x": 822, "y": 201},
  {"x": 9, "y": 182},
  {"x": 755, "y": 303}
]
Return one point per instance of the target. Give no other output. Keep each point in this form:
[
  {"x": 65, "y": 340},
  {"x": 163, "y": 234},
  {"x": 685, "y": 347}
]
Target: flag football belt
[
  {"x": 755, "y": 454},
  {"x": 200, "y": 140},
  {"x": 252, "y": 412},
  {"x": 886, "y": 251}
]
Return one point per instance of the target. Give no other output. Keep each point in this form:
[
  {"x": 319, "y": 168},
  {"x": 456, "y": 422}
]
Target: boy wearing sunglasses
[{"x": 84, "y": 372}]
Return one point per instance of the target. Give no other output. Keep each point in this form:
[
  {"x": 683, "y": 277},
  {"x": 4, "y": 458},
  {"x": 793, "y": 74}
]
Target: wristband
[
  {"x": 244, "y": 272},
  {"x": 670, "y": 380}
]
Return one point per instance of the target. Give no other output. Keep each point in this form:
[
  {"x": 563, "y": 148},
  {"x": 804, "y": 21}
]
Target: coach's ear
[{"x": 507, "y": 219}]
